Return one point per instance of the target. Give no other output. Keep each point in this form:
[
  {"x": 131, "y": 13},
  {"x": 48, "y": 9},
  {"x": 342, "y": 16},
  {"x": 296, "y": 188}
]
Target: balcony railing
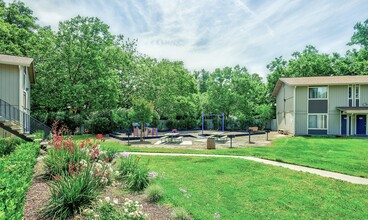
[{"x": 28, "y": 124}]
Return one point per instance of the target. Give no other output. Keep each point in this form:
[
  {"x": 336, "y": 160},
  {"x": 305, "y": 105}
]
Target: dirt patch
[{"x": 37, "y": 194}]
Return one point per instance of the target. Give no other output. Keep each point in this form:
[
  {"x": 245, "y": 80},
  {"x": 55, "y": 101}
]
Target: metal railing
[{"x": 28, "y": 124}]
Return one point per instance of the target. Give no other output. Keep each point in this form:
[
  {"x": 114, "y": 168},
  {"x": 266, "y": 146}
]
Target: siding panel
[
  {"x": 9, "y": 84},
  {"x": 301, "y": 110},
  {"x": 338, "y": 96},
  {"x": 364, "y": 95}
]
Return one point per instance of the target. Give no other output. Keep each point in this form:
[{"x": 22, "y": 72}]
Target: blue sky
[{"x": 216, "y": 33}]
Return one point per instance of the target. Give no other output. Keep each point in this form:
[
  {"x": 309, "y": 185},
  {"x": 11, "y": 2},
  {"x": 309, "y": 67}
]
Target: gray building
[
  {"x": 330, "y": 105},
  {"x": 16, "y": 77}
]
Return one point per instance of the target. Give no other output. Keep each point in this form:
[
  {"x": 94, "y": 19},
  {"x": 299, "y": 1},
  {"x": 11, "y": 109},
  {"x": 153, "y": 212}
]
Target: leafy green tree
[
  {"x": 75, "y": 71},
  {"x": 360, "y": 36},
  {"x": 17, "y": 27}
]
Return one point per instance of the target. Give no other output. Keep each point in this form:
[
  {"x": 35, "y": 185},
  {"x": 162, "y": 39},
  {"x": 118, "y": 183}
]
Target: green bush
[
  {"x": 7, "y": 145},
  {"x": 180, "y": 213},
  {"x": 70, "y": 193},
  {"x": 16, "y": 172},
  {"x": 135, "y": 174},
  {"x": 127, "y": 164},
  {"x": 138, "y": 179},
  {"x": 60, "y": 158},
  {"x": 106, "y": 121},
  {"x": 107, "y": 210},
  {"x": 154, "y": 193}
]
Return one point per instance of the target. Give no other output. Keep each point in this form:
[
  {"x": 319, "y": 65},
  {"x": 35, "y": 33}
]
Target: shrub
[
  {"x": 135, "y": 174},
  {"x": 106, "y": 210},
  {"x": 65, "y": 156},
  {"x": 62, "y": 157},
  {"x": 70, "y": 193},
  {"x": 132, "y": 210},
  {"x": 128, "y": 164},
  {"x": 180, "y": 213},
  {"x": 138, "y": 179},
  {"x": 7, "y": 145},
  {"x": 15, "y": 178},
  {"x": 154, "y": 193}
]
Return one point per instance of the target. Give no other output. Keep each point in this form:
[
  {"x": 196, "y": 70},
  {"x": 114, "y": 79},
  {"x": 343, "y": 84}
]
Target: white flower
[
  {"x": 116, "y": 201},
  {"x": 107, "y": 199}
]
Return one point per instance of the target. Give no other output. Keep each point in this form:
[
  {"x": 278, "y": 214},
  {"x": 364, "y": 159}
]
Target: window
[
  {"x": 357, "y": 95},
  {"x": 317, "y": 121},
  {"x": 318, "y": 93}
]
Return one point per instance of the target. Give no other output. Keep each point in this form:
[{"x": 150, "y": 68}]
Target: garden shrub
[
  {"x": 127, "y": 164},
  {"x": 107, "y": 210},
  {"x": 154, "y": 193},
  {"x": 135, "y": 174},
  {"x": 138, "y": 179},
  {"x": 15, "y": 178},
  {"x": 65, "y": 156},
  {"x": 106, "y": 121},
  {"x": 180, "y": 213},
  {"x": 7, "y": 145},
  {"x": 79, "y": 170},
  {"x": 70, "y": 193}
]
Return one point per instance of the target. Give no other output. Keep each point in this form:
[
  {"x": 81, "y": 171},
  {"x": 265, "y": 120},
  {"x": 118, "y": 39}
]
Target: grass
[
  {"x": 240, "y": 189},
  {"x": 349, "y": 156}
]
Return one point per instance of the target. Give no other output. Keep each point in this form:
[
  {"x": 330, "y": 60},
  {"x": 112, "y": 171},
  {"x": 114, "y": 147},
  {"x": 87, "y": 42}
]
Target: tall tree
[{"x": 78, "y": 75}]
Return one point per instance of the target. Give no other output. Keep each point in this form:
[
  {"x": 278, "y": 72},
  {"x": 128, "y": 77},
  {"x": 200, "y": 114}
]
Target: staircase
[{"x": 19, "y": 123}]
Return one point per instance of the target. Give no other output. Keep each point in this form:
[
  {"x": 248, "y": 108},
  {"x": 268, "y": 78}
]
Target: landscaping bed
[{"x": 78, "y": 180}]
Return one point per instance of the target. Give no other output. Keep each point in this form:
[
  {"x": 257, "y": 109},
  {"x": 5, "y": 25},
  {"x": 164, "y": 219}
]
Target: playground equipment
[
  {"x": 216, "y": 115},
  {"x": 146, "y": 130}
]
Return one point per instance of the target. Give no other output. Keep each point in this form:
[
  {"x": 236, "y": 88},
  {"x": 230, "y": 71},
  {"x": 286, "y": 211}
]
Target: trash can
[{"x": 211, "y": 144}]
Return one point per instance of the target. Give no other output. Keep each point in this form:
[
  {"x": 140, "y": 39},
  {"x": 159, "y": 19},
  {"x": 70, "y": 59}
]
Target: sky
[{"x": 209, "y": 34}]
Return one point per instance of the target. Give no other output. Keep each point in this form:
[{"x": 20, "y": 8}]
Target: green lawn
[
  {"x": 240, "y": 189},
  {"x": 348, "y": 156}
]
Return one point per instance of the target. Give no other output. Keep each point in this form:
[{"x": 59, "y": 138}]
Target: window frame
[
  {"x": 317, "y": 87},
  {"x": 317, "y": 114}
]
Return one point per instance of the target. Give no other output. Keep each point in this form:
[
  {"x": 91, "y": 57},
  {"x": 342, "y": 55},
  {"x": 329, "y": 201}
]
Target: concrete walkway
[{"x": 324, "y": 173}]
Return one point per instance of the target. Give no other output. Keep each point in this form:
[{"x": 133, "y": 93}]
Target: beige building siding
[
  {"x": 285, "y": 108},
  {"x": 364, "y": 95},
  {"x": 9, "y": 84},
  {"x": 301, "y": 106}
]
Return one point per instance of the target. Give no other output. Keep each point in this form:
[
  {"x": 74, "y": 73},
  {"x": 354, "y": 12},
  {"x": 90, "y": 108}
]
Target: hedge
[
  {"x": 16, "y": 172},
  {"x": 7, "y": 145}
]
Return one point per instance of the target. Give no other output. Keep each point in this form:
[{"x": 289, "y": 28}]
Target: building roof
[
  {"x": 20, "y": 61},
  {"x": 319, "y": 81},
  {"x": 357, "y": 110}
]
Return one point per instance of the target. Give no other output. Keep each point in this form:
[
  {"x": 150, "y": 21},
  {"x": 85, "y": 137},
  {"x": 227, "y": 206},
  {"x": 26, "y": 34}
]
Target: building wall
[
  {"x": 9, "y": 84},
  {"x": 285, "y": 108},
  {"x": 363, "y": 95},
  {"x": 338, "y": 96},
  {"x": 301, "y": 110}
]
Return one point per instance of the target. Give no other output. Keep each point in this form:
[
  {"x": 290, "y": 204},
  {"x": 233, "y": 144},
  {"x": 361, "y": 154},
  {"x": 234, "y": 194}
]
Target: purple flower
[{"x": 152, "y": 174}]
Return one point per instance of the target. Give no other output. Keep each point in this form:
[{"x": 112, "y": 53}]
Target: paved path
[{"x": 324, "y": 173}]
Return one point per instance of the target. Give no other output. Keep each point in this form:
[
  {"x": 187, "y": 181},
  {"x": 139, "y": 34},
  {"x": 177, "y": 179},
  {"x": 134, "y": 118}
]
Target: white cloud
[{"x": 214, "y": 33}]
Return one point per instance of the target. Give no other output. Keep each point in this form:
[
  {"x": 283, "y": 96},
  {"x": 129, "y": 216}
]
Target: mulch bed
[{"x": 38, "y": 194}]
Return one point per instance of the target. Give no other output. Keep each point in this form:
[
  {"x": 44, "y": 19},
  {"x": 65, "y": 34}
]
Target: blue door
[
  {"x": 343, "y": 124},
  {"x": 361, "y": 124}
]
